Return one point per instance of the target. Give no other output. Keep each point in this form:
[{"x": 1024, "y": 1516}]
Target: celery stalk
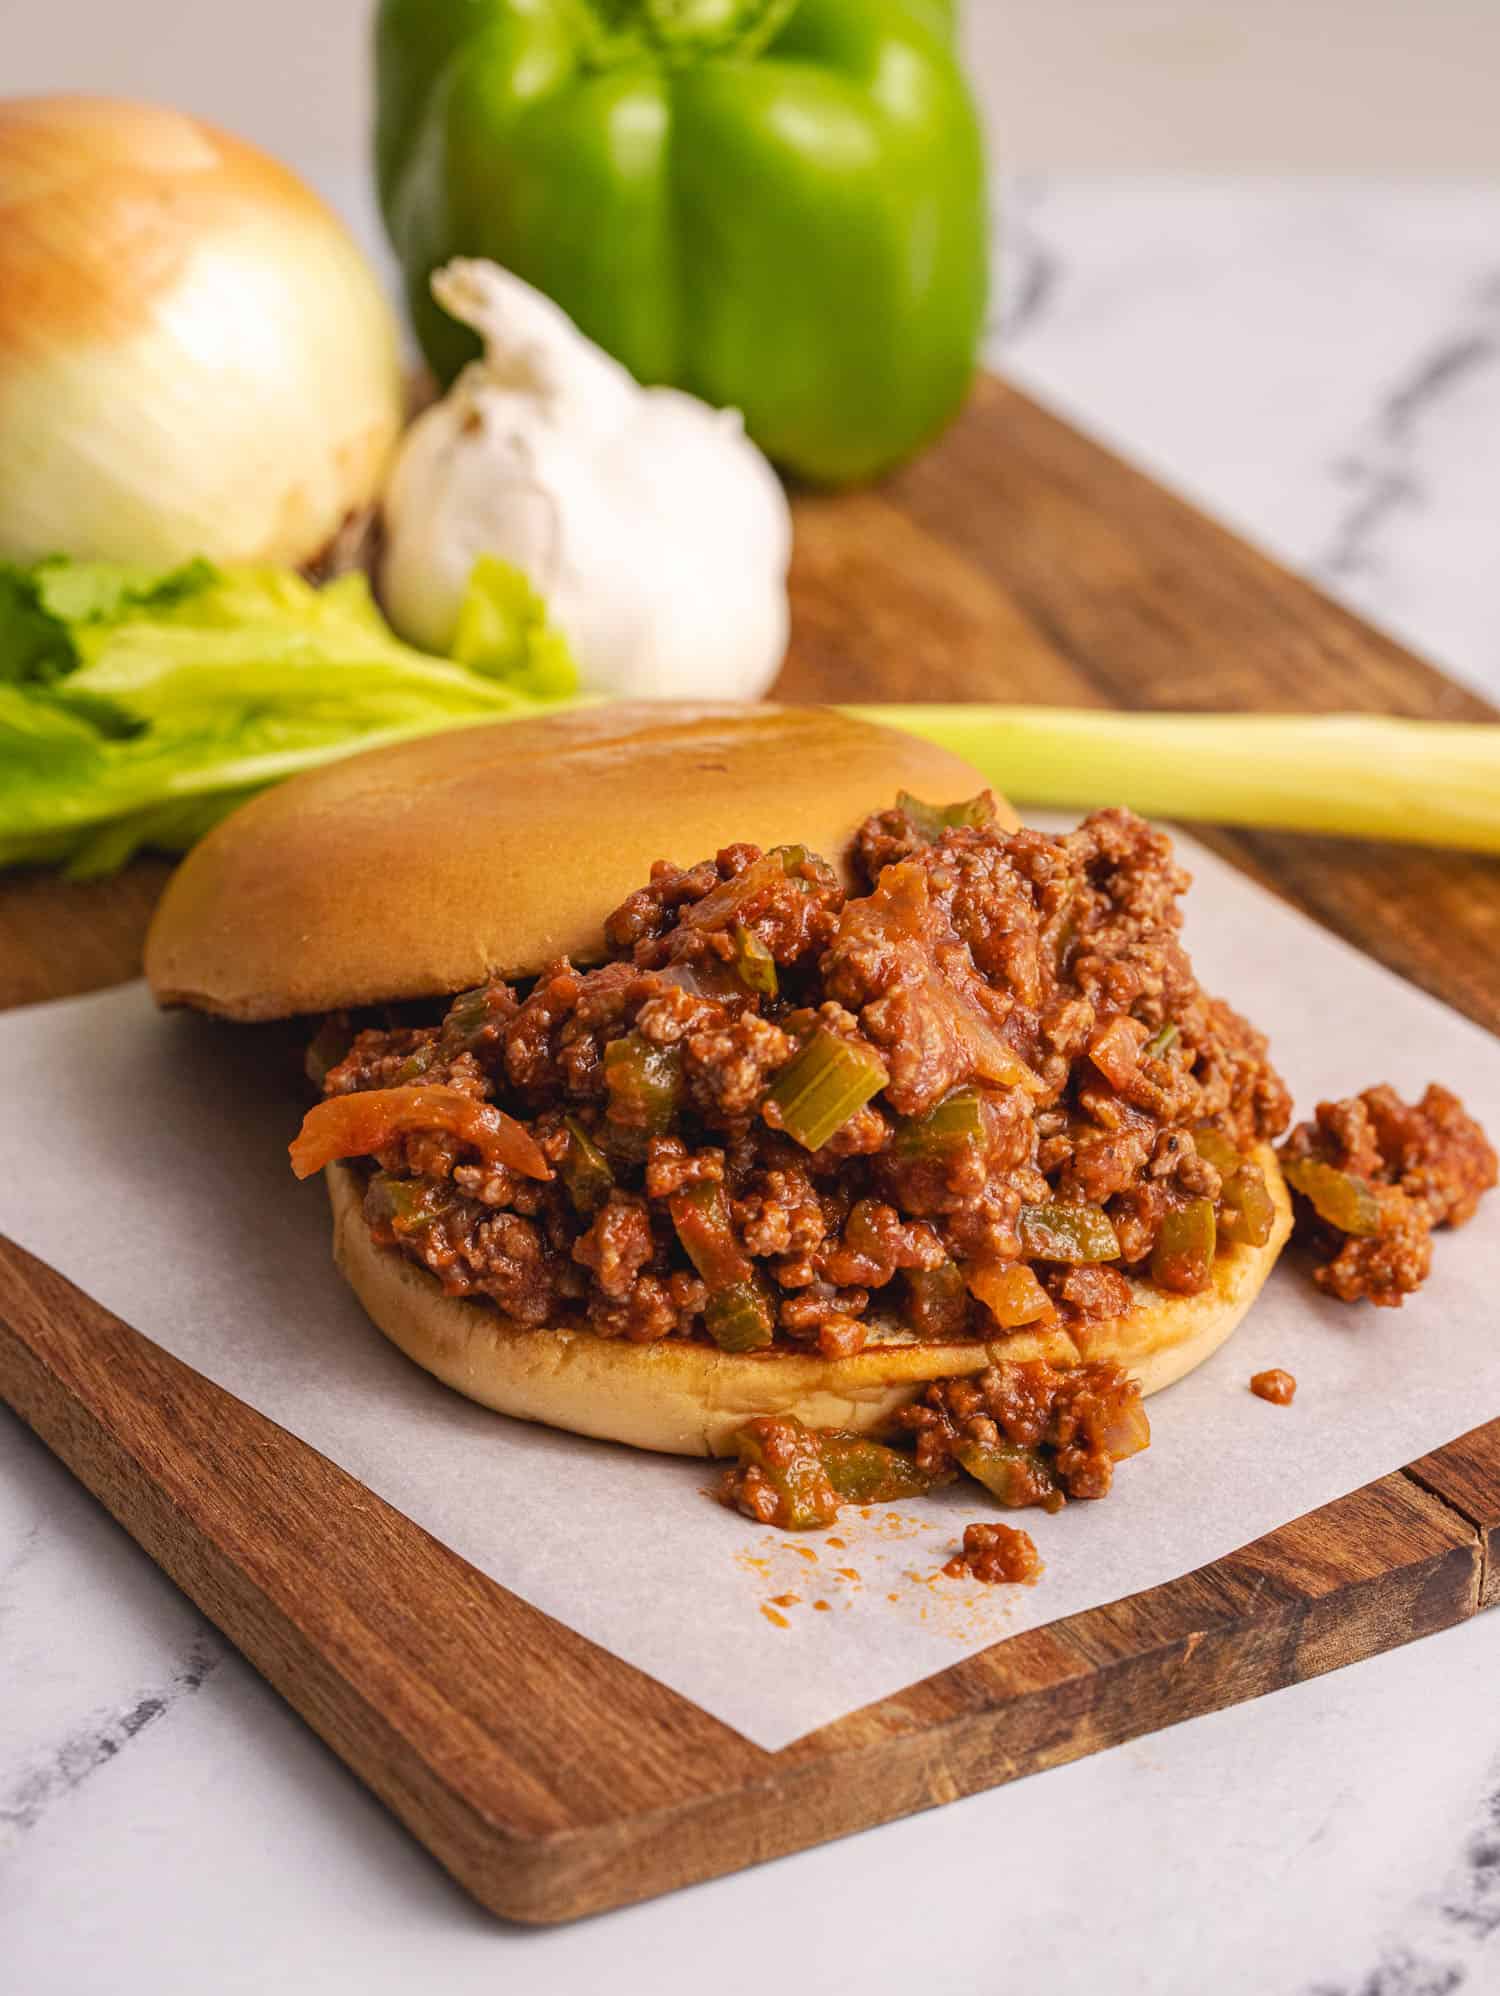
[{"x": 1354, "y": 775}]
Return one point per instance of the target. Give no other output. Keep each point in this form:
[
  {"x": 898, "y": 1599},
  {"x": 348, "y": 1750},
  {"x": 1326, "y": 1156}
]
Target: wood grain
[
  {"x": 553, "y": 1780},
  {"x": 1017, "y": 560},
  {"x": 61, "y": 937},
  {"x": 1466, "y": 1476}
]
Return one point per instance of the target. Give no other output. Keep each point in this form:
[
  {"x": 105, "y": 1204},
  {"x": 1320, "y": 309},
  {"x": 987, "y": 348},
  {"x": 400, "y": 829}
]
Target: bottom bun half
[{"x": 683, "y": 1398}]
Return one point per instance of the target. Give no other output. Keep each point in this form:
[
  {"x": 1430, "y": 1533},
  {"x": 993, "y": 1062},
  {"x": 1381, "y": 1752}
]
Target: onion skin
[{"x": 195, "y": 358}]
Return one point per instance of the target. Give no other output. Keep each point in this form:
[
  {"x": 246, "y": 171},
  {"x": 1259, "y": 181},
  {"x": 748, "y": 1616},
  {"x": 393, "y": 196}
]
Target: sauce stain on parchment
[{"x": 969, "y": 1614}]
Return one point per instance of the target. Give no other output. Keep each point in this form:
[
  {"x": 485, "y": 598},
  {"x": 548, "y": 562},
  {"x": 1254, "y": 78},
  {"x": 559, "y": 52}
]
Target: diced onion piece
[
  {"x": 1116, "y": 1050},
  {"x": 1215, "y": 1148},
  {"x": 753, "y": 962},
  {"x": 359, "y": 1124},
  {"x": 1344, "y": 1201},
  {"x": 585, "y": 1170},
  {"x": 684, "y": 977},
  {"x": 736, "y": 897},
  {"x": 700, "y": 1213},
  {"x": 1010, "y": 1292},
  {"x": 899, "y": 915},
  {"x": 1129, "y": 1429}
]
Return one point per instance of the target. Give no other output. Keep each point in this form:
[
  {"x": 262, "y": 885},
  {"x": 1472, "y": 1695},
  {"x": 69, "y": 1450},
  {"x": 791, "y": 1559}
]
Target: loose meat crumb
[
  {"x": 1001, "y": 1555},
  {"x": 1032, "y": 1433},
  {"x": 1090, "y": 1292},
  {"x": 1027, "y": 1433},
  {"x": 781, "y": 1478},
  {"x": 1274, "y": 1385},
  {"x": 618, "y": 1245},
  {"x": 1373, "y": 1176}
]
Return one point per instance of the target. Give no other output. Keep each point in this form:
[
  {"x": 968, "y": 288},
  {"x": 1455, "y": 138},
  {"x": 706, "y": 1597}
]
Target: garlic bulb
[
  {"x": 654, "y": 529},
  {"x": 195, "y": 358}
]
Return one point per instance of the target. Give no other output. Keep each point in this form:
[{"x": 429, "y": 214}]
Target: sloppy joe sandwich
[{"x": 711, "y": 1079}]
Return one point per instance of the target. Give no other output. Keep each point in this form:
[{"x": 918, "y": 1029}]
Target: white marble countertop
[
  {"x": 1316, "y": 362},
  {"x": 1320, "y": 364}
]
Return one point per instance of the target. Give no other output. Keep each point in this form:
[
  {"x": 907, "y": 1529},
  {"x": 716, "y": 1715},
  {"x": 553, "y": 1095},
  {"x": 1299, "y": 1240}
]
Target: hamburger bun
[
  {"x": 425, "y": 868},
  {"x": 684, "y": 1397}
]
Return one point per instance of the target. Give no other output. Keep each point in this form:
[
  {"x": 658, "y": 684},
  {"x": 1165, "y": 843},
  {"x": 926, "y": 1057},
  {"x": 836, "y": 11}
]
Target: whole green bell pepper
[{"x": 776, "y": 204}]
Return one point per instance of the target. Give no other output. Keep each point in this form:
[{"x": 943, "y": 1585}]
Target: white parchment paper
[{"x": 146, "y": 1159}]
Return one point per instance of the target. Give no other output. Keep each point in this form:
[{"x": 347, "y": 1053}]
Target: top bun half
[{"x": 430, "y": 866}]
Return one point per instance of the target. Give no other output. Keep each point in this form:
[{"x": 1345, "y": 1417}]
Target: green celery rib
[{"x": 1353, "y": 775}]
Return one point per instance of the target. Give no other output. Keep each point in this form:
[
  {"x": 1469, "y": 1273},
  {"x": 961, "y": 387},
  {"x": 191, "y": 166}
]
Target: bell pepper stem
[{"x": 686, "y": 29}]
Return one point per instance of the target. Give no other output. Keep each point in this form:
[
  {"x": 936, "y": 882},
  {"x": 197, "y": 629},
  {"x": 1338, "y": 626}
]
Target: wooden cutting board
[{"x": 1017, "y": 560}]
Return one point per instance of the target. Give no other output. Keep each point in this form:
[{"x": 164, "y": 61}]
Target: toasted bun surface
[
  {"x": 421, "y": 869},
  {"x": 688, "y": 1398}
]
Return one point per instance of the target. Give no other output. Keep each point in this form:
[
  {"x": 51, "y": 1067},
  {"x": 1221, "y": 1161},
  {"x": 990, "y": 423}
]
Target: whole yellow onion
[{"x": 195, "y": 357}]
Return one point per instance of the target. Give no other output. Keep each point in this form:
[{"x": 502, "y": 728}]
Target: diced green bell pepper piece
[
  {"x": 1054, "y": 1232},
  {"x": 779, "y": 205},
  {"x": 584, "y": 1169},
  {"x": 644, "y": 1083},
  {"x": 950, "y": 1125},
  {"x": 789, "y": 1457},
  {"x": 754, "y": 964},
  {"x": 1015, "y": 1475},
  {"x": 932, "y": 820},
  {"x": 739, "y": 1318},
  {"x": 1182, "y": 1256},
  {"x": 866, "y": 1472}
]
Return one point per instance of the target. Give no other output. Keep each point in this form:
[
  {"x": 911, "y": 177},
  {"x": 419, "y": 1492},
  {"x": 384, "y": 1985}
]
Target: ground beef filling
[
  {"x": 1373, "y": 1176},
  {"x": 978, "y": 1093}
]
